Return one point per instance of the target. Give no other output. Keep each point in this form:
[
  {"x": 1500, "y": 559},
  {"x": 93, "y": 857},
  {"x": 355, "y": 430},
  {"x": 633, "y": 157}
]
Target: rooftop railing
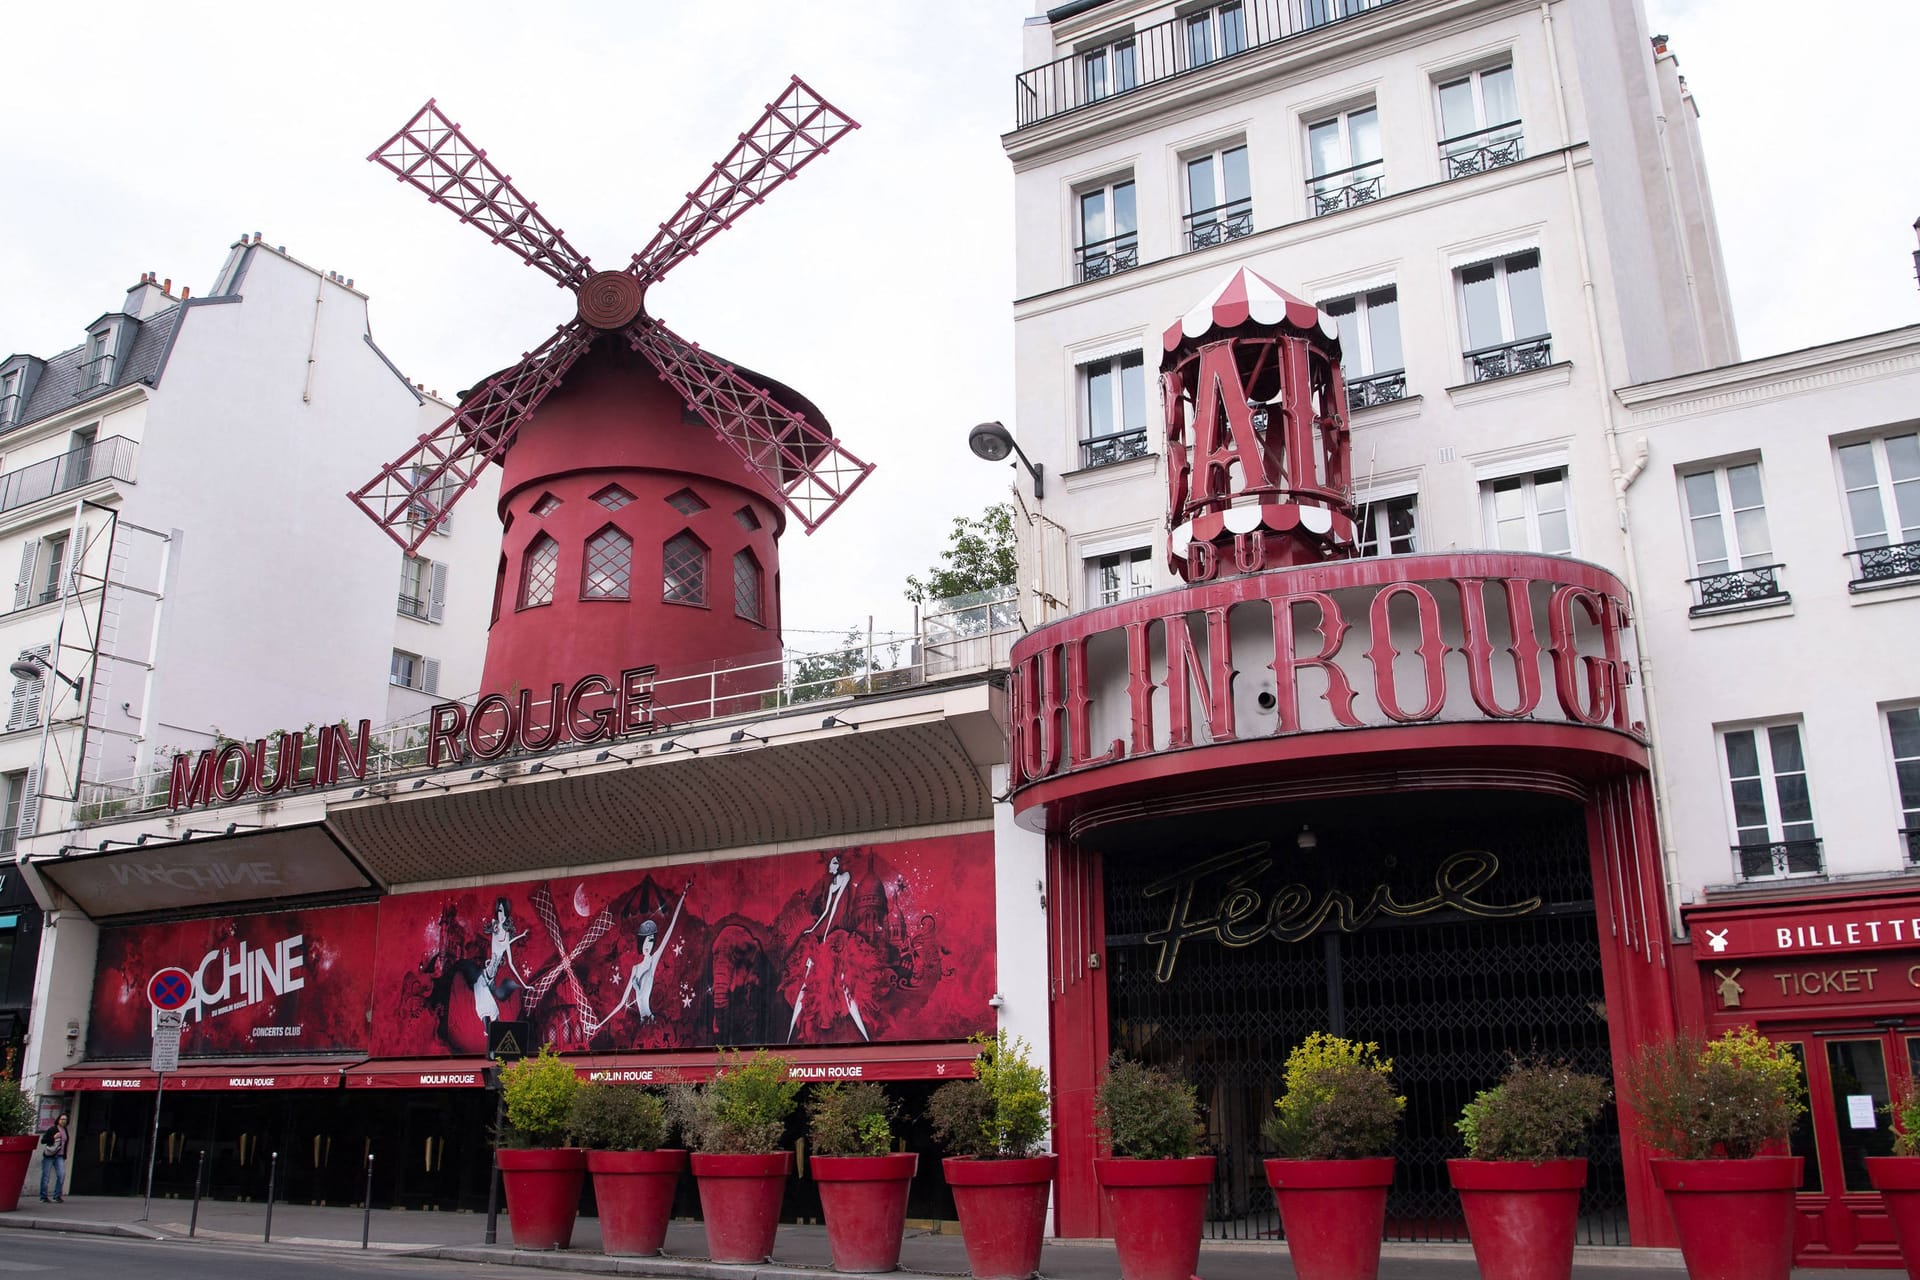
[{"x": 112, "y": 457}]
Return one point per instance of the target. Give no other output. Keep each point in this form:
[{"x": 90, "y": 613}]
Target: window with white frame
[
  {"x": 1503, "y": 315},
  {"x": 1216, "y": 32},
  {"x": 1219, "y": 197},
  {"x": 1528, "y": 512},
  {"x": 1769, "y": 804},
  {"x": 1903, "y": 734},
  {"x": 416, "y": 574},
  {"x": 1343, "y": 152},
  {"x": 411, "y": 671},
  {"x": 1120, "y": 576},
  {"x": 13, "y": 798},
  {"x": 1386, "y": 526},
  {"x": 1881, "y": 480},
  {"x": 1109, "y": 230},
  {"x": 1370, "y": 354},
  {"x": 10, "y": 383},
  {"x": 99, "y": 369},
  {"x": 1113, "y": 397},
  {"x": 1480, "y": 126},
  {"x": 1727, "y": 532},
  {"x": 53, "y": 560},
  {"x": 1110, "y": 66}
]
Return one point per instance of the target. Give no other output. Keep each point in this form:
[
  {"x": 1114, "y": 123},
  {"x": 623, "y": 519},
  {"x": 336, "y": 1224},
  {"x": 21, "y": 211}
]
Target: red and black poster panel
[
  {"x": 840, "y": 946},
  {"x": 288, "y": 982}
]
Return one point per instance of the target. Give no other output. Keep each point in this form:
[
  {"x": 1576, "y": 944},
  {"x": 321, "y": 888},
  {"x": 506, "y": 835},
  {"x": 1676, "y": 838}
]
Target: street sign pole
[
  {"x": 168, "y": 991},
  {"x": 153, "y": 1143}
]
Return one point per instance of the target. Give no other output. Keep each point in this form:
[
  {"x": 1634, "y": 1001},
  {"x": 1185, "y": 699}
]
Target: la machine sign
[{"x": 593, "y": 709}]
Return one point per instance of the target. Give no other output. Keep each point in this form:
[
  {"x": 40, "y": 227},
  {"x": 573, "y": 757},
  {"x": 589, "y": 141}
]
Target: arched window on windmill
[
  {"x": 609, "y": 566},
  {"x": 538, "y": 571},
  {"x": 684, "y": 565},
  {"x": 747, "y": 592}
]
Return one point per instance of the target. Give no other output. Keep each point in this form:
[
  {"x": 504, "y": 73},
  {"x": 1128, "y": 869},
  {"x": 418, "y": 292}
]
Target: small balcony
[
  {"x": 1494, "y": 147},
  {"x": 1766, "y": 860},
  {"x": 1737, "y": 589},
  {"x": 413, "y": 607},
  {"x": 111, "y": 458},
  {"x": 1507, "y": 359},
  {"x": 1379, "y": 388},
  {"x": 1107, "y": 257},
  {"x": 1208, "y": 227},
  {"x": 1347, "y": 188},
  {"x": 1884, "y": 566},
  {"x": 1121, "y": 446}
]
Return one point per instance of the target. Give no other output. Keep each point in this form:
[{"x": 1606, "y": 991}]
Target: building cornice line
[{"x": 1854, "y": 360}]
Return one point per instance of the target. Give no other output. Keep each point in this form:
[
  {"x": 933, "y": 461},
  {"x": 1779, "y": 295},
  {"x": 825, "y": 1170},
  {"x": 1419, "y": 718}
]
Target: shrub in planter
[
  {"x": 1714, "y": 1107},
  {"x": 1154, "y": 1182},
  {"x": 734, "y": 1123},
  {"x": 992, "y": 1126},
  {"x": 17, "y": 1140},
  {"x": 542, "y": 1173},
  {"x": 1897, "y": 1178},
  {"x": 1332, "y": 1127},
  {"x": 863, "y": 1183},
  {"x": 622, "y": 1127},
  {"x": 1520, "y": 1183}
]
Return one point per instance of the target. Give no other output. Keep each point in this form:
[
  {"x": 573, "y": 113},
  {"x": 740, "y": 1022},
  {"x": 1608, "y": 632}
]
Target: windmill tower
[{"x": 645, "y": 482}]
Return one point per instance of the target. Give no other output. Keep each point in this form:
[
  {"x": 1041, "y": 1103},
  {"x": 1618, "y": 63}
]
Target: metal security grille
[{"x": 1449, "y": 994}]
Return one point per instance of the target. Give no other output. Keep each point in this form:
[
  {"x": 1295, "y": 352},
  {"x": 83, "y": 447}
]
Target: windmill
[{"x": 640, "y": 473}]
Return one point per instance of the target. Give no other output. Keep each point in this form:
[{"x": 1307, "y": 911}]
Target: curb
[
  {"x": 661, "y": 1267},
  {"x": 81, "y": 1227}
]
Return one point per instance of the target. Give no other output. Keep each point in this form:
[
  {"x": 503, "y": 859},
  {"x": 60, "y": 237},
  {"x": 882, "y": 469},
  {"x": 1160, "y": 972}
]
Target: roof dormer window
[
  {"x": 10, "y": 384},
  {"x": 98, "y": 369}
]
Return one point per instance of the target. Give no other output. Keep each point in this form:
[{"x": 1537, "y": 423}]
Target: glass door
[{"x": 1852, "y": 1078}]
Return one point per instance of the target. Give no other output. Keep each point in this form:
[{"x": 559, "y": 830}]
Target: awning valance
[{"x": 237, "y": 1074}]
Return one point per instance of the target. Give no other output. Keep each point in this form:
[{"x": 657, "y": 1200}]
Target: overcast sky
[{"x": 140, "y": 137}]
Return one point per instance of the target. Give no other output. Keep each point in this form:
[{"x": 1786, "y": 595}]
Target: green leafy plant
[
  {"x": 1146, "y": 1113},
  {"x": 1724, "y": 1099},
  {"x": 539, "y": 1095},
  {"x": 851, "y": 1120},
  {"x": 1339, "y": 1102},
  {"x": 1906, "y": 1124},
  {"x": 743, "y": 1110},
  {"x": 617, "y": 1117},
  {"x": 18, "y": 1115},
  {"x": 999, "y": 1114},
  {"x": 1540, "y": 1110}
]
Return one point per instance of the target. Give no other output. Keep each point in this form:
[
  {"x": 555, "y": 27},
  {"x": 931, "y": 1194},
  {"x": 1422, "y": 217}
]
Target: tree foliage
[{"x": 978, "y": 557}]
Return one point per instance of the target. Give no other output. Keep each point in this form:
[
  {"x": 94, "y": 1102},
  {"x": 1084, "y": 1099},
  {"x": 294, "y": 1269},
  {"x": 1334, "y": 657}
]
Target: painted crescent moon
[{"x": 580, "y": 907}]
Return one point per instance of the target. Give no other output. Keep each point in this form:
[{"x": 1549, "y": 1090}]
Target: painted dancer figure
[
  {"x": 653, "y": 943},
  {"x": 498, "y": 978},
  {"x": 831, "y": 963}
]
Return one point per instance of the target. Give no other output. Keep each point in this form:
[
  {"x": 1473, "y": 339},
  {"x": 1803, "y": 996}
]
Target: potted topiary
[
  {"x": 1520, "y": 1183},
  {"x": 1154, "y": 1182},
  {"x": 17, "y": 1141},
  {"x": 863, "y": 1181},
  {"x": 1716, "y": 1108},
  {"x": 1897, "y": 1179},
  {"x": 734, "y": 1123},
  {"x": 994, "y": 1125},
  {"x": 622, "y": 1127},
  {"x": 543, "y": 1174},
  {"x": 1332, "y": 1127}
]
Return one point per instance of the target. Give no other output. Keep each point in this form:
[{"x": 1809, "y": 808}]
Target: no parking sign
[{"x": 170, "y": 989}]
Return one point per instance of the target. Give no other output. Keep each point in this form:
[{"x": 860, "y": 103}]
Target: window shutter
[
  {"x": 23, "y": 589},
  {"x": 26, "y": 695},
  {"x": 29, "y": 804},
  {"x": 437, "y": 592},
  {"x": 430, "y": 675},
  {"x": 76, "y": 558}
]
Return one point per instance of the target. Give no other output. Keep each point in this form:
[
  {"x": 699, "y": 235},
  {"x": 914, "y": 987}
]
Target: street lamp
[
  {"x": 992, "y": 441},
  {"x": 31, "y": 666}
]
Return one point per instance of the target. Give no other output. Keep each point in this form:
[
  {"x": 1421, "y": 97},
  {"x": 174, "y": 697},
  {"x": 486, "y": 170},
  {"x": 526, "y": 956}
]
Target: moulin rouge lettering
[
  {"x": 1243, "y": 913},
  {"x": 224, "y": 774}
]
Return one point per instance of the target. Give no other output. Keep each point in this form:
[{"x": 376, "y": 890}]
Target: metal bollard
[
  {"x": 199, "y": 1177},
  {"x": 273, "y": 1174},
  {"x": 366, "y": 1209}
]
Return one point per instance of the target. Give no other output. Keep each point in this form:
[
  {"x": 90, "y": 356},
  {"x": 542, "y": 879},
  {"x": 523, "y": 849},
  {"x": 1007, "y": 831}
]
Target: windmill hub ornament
[{"x": 645, "y": 481}]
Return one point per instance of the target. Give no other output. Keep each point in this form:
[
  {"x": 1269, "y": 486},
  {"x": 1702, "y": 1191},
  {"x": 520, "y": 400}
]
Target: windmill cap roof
[{"x": 1243, "y": 296}]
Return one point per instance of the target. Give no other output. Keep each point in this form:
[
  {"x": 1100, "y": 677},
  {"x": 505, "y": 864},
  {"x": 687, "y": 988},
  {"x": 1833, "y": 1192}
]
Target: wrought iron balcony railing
[
  {"x": 1223, "y": 222},
  {"x": 1105, "y": 257},
  {"x": 1379, "y": 388},
  {"x": 1483, "y": 149},
  {"x": 1164, "y": 50},
  {"x": 1883, "y": 566},
  {"x": 413, "y": 606},
  {"x": 1122, "y": 446},
  {"x": 1346, "y": 188},
  {"x": 112, "y": 457},
  {"x": 1912, "y": 836},
  {"x": 1509, "y": 358},
  {"x": 1779, "y": 858},
  {"x": 1736, "y": 589}
]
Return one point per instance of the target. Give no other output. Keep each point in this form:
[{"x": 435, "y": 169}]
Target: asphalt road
[{"x": 53, "y": 1254}]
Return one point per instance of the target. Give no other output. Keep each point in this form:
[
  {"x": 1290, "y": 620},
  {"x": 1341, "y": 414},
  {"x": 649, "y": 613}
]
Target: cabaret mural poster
[
  {"x": 835, "y": 947},
  {"x": 280, "y": 983}
]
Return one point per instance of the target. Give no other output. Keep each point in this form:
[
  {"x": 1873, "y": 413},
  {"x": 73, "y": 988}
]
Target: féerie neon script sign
[{"x": 1244, "y": 914}]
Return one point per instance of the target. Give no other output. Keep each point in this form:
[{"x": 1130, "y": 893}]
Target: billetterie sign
[{"x": 593, "y": 709}]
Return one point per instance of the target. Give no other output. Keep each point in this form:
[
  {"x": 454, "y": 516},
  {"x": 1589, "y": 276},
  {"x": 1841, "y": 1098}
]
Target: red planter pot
[
  {"x": 634, "y": 1190},
  {"x": 1734, "y": 1217},
  {"x": 16, "y": 1153},
  {"x": 864, "y": 1199},
  {"x": 1333, "y": 1213},
  {"x": 1003, "y": 1212},
  {"x": 1521, "y": 1217},
  {"x": 1159, "y": 1210},
  {"x": 1897, "y": 1179},
  {"x": 543, "y": 1194},
  {"x": 740, "y": 1203}
]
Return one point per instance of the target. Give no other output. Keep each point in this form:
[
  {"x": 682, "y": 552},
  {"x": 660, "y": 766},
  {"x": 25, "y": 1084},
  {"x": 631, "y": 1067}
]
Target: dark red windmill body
[{"x": 645, "y": 482}]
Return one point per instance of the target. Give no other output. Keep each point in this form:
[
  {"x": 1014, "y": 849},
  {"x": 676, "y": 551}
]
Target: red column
[{"x": 1076, "y": 945}]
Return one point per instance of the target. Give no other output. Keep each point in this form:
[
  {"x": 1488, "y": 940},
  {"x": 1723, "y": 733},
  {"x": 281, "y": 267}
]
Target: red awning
[
  {"x": 419, "y": 1073},
  {"x": 1241, "y": 297},
  {"x": 246, "y": 1074},
  {"x": 951, "y": 1061}
]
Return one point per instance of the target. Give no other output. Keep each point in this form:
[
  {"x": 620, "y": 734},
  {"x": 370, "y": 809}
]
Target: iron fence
[
  {"x": 1877, "y": 566},
  {"x": 110, "y": 458},
  {"x": 1736, "y": 589},
  {"x": 1346, "y": 188},
  {"x": 1762, "y": 860},
  {"x": 1378, "y": 388},
  {"x": 1491, "y": 148},
  {"x": 1508, "y": 358}
]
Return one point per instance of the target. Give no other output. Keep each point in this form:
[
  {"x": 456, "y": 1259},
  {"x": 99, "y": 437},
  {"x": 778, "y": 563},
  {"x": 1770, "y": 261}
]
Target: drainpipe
[{"x": 1619, "y": 474}]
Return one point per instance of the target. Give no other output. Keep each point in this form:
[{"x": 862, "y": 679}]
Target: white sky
[{"x": 148, "y": 136}]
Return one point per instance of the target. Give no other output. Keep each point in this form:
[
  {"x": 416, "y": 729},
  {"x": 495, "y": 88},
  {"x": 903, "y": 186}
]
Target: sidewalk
[{"x": 799, "y": 1252}]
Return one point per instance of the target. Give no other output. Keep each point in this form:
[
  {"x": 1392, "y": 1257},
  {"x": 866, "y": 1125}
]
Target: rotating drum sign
[{"x": 170, "y": 989}]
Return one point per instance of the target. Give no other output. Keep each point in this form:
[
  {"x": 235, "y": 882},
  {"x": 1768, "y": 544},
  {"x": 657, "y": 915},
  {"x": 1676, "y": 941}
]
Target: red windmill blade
[{"x": 809, "y": 468}]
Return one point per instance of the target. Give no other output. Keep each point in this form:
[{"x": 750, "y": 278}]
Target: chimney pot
[
  {"x": 168, "y": 286},
  {"x": 184, "y": 293}
]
